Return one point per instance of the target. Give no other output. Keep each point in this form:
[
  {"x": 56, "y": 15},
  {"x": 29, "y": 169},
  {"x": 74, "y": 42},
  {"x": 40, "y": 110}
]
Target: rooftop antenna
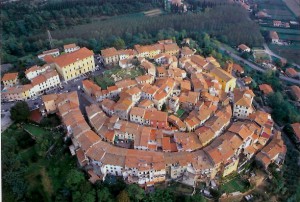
[{"x": 50, "y": 39}]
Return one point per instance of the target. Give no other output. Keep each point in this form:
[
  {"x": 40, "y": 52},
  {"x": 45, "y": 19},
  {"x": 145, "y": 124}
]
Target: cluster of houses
[
  {"x": 134, "y": 130},
  {"x": 70, "y": 65},
  {"x": 160, "y": 153}
]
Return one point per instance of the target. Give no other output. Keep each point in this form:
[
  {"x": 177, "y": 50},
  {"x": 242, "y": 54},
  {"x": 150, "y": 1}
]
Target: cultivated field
[
  {"x": 290, "y": 52},
  {"x": 277, "y": 9},
  {"x": 294, "y": 5},
  {"x": 153, "y": 12}
]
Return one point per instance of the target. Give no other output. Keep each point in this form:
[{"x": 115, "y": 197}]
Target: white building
[
  {"x": 44, "y": 82},
  {"x": 53, "y": 52},
  {"x": 242, "y": 105},
  {"x": 35, "y": 71},
  {"x": 71, "y": 48}
]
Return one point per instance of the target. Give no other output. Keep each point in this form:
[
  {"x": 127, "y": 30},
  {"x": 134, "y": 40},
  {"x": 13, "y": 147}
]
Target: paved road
[
  {"x": 5, "y": 120},
  {"x": 267, "y": 50},
  {"x": 257, "y": 68}
]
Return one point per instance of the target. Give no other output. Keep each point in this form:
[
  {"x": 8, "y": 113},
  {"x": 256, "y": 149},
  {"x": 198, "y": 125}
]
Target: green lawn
[
  {"x": 234, "y": 185},
  {"x": 180, "y": 112},
  {"x": 115, "y": 74},
  {"x": 35, "y": 130}
]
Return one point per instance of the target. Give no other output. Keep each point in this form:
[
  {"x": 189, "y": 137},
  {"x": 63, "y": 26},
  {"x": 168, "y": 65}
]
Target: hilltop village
[{"x": 134, "y": 129}]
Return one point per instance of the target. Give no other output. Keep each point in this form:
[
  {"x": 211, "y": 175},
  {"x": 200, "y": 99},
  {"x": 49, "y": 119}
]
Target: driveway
[{"x": 5, "y": 120}]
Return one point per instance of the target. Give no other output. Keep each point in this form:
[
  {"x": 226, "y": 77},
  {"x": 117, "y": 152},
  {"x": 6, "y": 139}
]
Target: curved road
[
  {"x": 257, "y": 68},
  {"x": 268, "y": 51}
]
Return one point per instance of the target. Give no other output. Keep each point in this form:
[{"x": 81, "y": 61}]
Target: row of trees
[{"x": 24, "y": 33}]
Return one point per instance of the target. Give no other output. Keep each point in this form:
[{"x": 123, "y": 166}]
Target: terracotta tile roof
[
  {"x": 296, "y": 91},
  {"x": 243, "y": 97},
  {"x": 50, "y": 97},
  {"x": 274, "y": 35},
  {"x": 143, "y": 78},
  {"x": 176, "y": 121},
  {"x": 156, "y": 116},
  {"x": 146, "y": 103},
  {"x": 109, "y": 52},
  {"x": 250, "y": 149},
  {"x": 171, "y": 47},
  {"x": 291, "y": 72},
  {"x": 236, "y": 67},
  {"x": 137, "y": 111},
  {"x": 32, "y": 69},
  {"x": 267, "y": 89},
  {"x": 187, "y": 141},
  {"x": 199, "y": 60},
  {"x": 10, "y": 76},
  {"x": 247, "y": 80},
  {"x": 88, "y": 139},
  {"x": 69, "y": 58},
  {"x": 107, "y": 103},
  {"x": 187, "y": 51},
  {"x": 243, "y": 47},
  {"x": 127, "y": 52},
  {"x": 167, "y": 145},
  {"x": 220, "y": 73},
  {"x": 36, "y": 116},
  {"x": 240, "y": 129},
  {"x": 126, "y": 83},
  {"x": 68, "y": 46},
  {"x": 205, "y": 134}
]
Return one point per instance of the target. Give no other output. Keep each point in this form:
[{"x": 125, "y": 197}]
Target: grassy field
[
  {"x": 277, "y": 9},
  {"x": 36, "y": 131},
  {"x": 235, "y": 185},
  {"x": 260, "y": 55},
  {"x": 116, "y": 74}
]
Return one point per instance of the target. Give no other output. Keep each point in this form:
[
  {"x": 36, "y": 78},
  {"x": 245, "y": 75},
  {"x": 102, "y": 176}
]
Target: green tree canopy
[
  {"x": 20, "y": 112},
  {"x": 123, "y": 196}
]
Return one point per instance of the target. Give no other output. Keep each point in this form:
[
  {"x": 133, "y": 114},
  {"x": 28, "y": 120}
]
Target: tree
[
  {"x": 74, "y": 179},
  {"x": 20, "y": 112},
  {"x": 104, "y": 195},
  {"x": 123, "y": 196},
  {"x": 135, "y": 192},
  {"x": 119, "y": 43},
  {"x": 163, "y": 195}
]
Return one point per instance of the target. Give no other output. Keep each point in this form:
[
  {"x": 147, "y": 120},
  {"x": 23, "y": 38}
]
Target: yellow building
[
  {"x": 227, "y": 81},
  {"x": 74, "y": 64},
  {"x": 230, "y": 167},
  {"x": 172, "y": 49},
  {"x": 16, "y": 93},
  {"x": 10, "y": 79},
  {"x": 149, "y": 51}
]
